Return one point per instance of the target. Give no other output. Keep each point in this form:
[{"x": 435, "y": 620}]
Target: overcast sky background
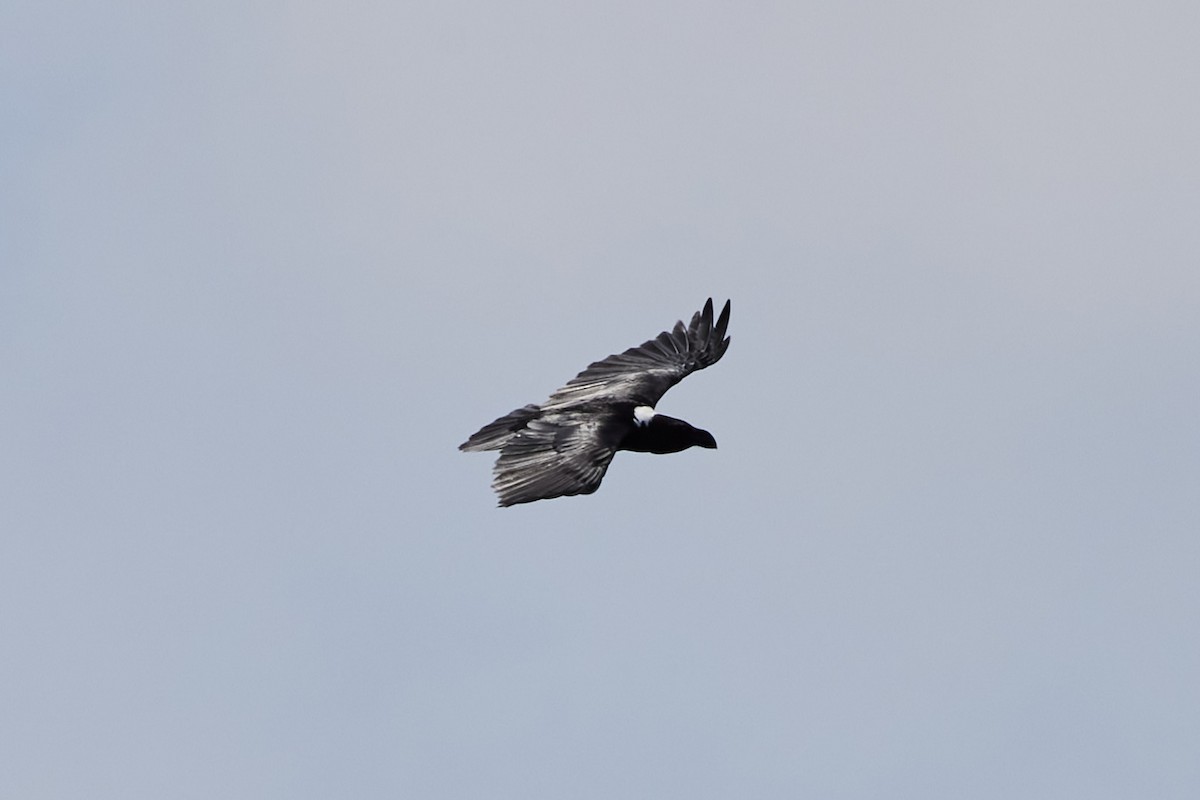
[{"x": 263, "y": 266}]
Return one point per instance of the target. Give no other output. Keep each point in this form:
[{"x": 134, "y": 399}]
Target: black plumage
[{"x": 564, "y": 446}]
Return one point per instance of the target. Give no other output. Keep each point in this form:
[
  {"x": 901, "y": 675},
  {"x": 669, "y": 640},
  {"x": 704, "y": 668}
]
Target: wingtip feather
[{"x": 723, "y": 320}]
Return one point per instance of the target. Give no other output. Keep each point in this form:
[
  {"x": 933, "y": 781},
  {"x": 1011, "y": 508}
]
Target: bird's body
[{"x": 564, "y": 446}]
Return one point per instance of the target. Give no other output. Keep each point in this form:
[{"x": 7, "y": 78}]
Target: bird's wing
[
  {"x": 495, "y": 435},
  {"x": 644, "y": 373},
  {"x": 558, "y": 454}
]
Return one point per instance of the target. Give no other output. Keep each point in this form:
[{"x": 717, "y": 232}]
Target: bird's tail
[{"x": 495, "y": 435}]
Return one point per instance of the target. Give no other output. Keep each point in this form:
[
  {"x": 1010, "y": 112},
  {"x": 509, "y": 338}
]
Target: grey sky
[{"x": 265, "y": 265}]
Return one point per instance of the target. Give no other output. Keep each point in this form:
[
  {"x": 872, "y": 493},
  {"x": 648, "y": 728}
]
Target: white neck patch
[{"x": 642, "y": 415}]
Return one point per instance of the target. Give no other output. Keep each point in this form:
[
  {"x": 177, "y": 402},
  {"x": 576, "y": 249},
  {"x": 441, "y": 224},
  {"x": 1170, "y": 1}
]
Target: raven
[{"x": 564, "y": 446}]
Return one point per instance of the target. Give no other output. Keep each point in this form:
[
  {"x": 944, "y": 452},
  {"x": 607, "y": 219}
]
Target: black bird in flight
[{"x": 564, "y": 446}]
